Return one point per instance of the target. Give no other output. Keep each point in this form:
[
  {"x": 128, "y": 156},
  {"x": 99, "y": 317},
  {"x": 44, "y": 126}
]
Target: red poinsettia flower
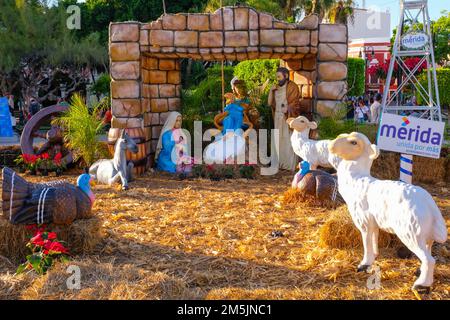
[
  {"x": 37, "y": 240},
  {"x": 51, "y": 236},
  {"x": 56, "y": 247},
  {"x": 45, "y": 156},
  {"x": 57, "y": 158},
  {"x": 31, "y": 227}
]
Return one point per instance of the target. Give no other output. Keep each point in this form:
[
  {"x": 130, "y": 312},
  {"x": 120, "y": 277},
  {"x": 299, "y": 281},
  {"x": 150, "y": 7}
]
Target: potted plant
[
  {"x": 20, "y": 162},
  {"x": 44, "y": 164},
  {"x": 81, "y": 126},
  {"x": 58, "y": 165},
  {"x": 247, "y": 171}
]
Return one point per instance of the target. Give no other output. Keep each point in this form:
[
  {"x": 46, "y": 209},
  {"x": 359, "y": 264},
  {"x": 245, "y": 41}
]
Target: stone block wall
[
  {"x": 145, "y": 60},
  {"x": 331, "y": 85}
]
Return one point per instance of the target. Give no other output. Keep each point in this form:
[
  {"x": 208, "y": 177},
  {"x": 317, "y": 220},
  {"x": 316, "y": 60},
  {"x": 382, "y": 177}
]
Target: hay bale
[
  {"x": 80, "y": 237},
  {"x": 425, "y": 170},
  {"x": 108, "y": 281},
  {"x": 340, "y": 232}
]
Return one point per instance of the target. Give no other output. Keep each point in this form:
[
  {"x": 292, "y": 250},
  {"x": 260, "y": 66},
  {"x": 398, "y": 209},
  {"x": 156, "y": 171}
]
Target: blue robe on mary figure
[
  {"x": 235, "y": 117},
  {"x": 165, "y": 162}
]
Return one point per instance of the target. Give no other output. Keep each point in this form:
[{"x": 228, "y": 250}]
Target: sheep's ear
[
  {"x": 374, "y": 152},
  {"x": 312, "y": 125},
  {"x": 289, "y": 121}
]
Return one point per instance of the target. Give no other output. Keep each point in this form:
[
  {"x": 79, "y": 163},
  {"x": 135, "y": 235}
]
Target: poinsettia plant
[
  {"x": 28, "y": 161},
  {"x": 57, "y": 164},
  {"x": 380, "y": 70},
  {"x": 247, "y": 170},
  {"x": 45, "y": 249}
]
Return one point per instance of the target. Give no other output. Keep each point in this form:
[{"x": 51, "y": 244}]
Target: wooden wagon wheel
[{"x": 36, "y": 121}]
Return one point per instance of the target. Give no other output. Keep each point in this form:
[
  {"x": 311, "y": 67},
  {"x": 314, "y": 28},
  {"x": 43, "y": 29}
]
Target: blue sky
[{"x": 434, "y": 7}]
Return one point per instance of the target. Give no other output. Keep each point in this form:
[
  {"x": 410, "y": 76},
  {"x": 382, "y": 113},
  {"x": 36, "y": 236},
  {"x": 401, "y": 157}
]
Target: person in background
[
  {"x": 34, "y": 107},
  {"x": 361, "y": 112},
  {"x": 375, "y": 109},
  {"x": 350, "y": 109}
]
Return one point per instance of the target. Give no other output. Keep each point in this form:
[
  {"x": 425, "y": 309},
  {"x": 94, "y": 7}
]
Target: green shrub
[
  {"x": 204, "y": 102},
  {"x": 82, "y": 126},
  {"x": 256, "y": 72},
  {"x": 356, "y": 77},
  {"x": 102, "y": 85},
  {"x": 443, "y": 78},
  {"x": 336, "y": 124}
]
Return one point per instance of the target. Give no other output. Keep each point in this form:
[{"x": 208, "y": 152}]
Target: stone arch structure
[{"x": 145, "y": 60}]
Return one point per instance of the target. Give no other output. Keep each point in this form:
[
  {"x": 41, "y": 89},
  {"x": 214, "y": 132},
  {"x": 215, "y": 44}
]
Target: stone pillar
[
  {"x": 125, "y": 72},
  {"x": 331, "y": 68}
]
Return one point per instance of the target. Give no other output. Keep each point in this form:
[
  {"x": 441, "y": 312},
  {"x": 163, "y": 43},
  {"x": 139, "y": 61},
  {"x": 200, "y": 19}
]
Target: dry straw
[
  {"x": 80, "y": 237},
  {"x": 171, "y": 239}
]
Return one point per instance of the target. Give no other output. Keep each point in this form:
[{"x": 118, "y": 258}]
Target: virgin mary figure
[{"x": 172, "y": 151}]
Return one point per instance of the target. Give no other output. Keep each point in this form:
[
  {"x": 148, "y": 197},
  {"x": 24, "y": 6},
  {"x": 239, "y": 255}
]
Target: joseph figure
[{"x": 284, "y": 98}]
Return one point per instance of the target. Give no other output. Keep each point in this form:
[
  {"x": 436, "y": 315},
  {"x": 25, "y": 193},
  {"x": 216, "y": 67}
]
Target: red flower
[
  {"x": 37, "y": 240},
  {"x": 51, "y": 236},
  {"x": 57, "y": 159},
  {"x": 31, "y": 227},
  {"x": 56, "y": 247}
]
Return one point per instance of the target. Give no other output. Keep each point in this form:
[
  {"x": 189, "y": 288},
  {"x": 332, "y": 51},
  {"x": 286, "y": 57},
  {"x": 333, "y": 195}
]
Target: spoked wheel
[{"x": 53, "y": 136}]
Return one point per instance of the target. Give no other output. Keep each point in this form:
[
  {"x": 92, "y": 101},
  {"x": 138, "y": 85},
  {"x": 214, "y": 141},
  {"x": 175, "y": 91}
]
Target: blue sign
[{"x": 6, "y": 129}]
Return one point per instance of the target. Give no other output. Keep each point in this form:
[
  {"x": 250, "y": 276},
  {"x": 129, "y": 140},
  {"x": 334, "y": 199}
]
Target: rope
[
  {"x": 223, "y": 86},
  {"x": 164, "y": 6}
]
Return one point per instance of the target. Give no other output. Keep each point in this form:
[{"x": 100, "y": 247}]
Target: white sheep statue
[
  {"x": 403, "y": 209},
  {"x": 315, "y": 152}
]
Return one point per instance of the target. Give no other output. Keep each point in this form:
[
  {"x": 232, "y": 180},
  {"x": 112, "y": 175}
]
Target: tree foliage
[
  {"x": 39, "y": 53},
  {"x": 356, "y": 78},
  {"x": 270, "y": 6},
  {"x": 441, "y": 32},
  {"x": 443, "y": 78},
  {"x": 256, "y": 72}
]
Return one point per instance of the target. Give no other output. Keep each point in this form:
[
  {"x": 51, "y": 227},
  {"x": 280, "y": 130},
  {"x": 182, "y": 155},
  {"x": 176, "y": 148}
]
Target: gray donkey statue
[{"x": 109, "y": 171}]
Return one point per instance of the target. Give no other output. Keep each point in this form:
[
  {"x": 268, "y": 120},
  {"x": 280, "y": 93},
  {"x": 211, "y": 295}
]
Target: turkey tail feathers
[{"x": 15, "y": 191}]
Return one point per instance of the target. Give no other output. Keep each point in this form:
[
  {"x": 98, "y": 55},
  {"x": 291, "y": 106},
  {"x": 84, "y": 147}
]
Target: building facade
[{"x": 370, "y": 39}]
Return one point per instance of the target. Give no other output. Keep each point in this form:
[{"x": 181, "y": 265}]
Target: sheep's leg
[
  {"x": 369, "y": 256},
  {"x": 429, "y": 246},
  {"x": 425, "y": 280},
  {"x": 375, "y": 234}
]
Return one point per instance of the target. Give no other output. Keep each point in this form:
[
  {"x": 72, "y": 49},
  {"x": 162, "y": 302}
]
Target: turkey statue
[
  {"x": 55, "y": 202},
  {"x": 316, "y": 183}
]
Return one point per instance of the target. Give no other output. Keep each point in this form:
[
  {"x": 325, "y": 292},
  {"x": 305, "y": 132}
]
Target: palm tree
[{"x": 335, "y": 11}]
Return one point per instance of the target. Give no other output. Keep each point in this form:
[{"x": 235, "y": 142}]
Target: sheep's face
[
  {"x": 301, "y": 123},
  {"x": 352, "y": 146}
]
